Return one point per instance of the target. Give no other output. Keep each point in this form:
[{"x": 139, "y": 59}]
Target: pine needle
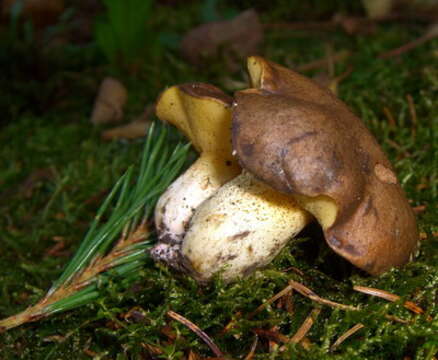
[
  {"x": 197, "y": 331},
  {"x": 305, "y": 291},
  {"x": 251, "y": 353},
  {"x": 116, "y": 249},
  {"x": 305, "y": 326},
  {"x": 281, "y": 293},
  {"x": 346, "y": 335},
  {"x": 389, "y": 296}
]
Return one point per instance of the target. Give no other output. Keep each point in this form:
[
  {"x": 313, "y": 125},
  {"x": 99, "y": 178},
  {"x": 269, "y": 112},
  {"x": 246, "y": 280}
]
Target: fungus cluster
[{"x": 272, "y": 159}]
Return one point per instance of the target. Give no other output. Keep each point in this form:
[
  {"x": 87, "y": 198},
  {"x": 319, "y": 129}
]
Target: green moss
[{"x": 83, "y": 168}]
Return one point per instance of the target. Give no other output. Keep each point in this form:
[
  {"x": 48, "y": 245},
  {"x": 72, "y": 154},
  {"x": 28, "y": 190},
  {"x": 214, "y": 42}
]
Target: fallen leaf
[
  {"x": 233, "y": 39},
  {"x": 132, "y": 130},
  {"x": 376, "y": 9},
  {"x": 135, "y": 129},
  {"x": 111, "y": 98}
]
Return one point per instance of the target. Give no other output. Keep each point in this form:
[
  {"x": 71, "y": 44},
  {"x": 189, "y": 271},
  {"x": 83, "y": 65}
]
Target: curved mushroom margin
[{"x": 299, "y": 138}]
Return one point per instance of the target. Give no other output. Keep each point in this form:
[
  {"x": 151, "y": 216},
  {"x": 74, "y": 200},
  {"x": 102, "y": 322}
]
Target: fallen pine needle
[
  {"x": 389, "y": 116},
  {"x": 305, "y": 291},
  {"x": 419, "y": 209},
  {"x": 412, "y": 110},
  {"x": 288, "y": 303},
  {"x": 429, "y": 35},
  {"x": 397, "y": 147},
  {"x": 197, "y": 331},
  {"x": 396, "y": 319},
  {"x": 193, "y": 356},
  {"x": 273, "y": 335},
  {"x": 303, "y": 330},
  {"x": 230, "y": 324},
  {"x": 305, "y": 327},
  {"x": 346, "y": 335},
  {"x": 253, "y": 349},
  {"x": 339, "y": 56},
  {"x": 295, "y": 270},
  {"x": 152, "y": 349},
  {"x": 280, "y": 294},
  {"x": 390, "y": 297}
]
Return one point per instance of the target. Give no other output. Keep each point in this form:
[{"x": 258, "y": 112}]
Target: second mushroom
[{"x": 274, "y": 157}]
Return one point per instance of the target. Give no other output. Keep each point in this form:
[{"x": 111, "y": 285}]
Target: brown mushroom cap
[{"x": 300, "y": 139}]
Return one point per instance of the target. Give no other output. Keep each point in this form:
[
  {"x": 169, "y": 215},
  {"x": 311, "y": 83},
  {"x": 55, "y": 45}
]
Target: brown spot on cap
[
  {"x": 384, "y": 174},
  {"x": 248, "y": 149}
]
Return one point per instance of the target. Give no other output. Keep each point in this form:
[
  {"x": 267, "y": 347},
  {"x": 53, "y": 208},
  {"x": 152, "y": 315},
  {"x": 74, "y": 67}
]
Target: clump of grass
[{"x": 123, "y": 35}]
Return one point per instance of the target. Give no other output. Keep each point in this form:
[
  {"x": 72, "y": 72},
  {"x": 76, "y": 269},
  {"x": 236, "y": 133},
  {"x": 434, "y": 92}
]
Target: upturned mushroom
[{"x": 299, "y": 144}]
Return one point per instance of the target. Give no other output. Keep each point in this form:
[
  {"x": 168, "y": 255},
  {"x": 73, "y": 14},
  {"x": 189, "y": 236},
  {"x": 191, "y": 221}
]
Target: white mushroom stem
[
  {"x": 176, "y": 206},
  {"x": 242, "y": 227}
]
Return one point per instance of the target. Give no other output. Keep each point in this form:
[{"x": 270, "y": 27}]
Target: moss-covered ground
[{"x": 55, "y": 171}]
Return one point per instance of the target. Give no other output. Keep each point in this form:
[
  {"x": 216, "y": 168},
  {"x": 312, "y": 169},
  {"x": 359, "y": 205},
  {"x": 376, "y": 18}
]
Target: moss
[{"x": 82, "y": 167}]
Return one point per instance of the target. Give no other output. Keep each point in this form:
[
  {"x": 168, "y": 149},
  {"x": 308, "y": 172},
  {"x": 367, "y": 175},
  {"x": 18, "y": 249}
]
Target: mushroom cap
[{"x": 300, "y": 139}]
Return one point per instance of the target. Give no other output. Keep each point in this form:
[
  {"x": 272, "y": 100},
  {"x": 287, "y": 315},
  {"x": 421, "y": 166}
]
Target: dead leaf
[
  {"x": 111, "y": 98},
  {"x": 135, "y": 129},
  {"x": 419, "y": 9},
  {"x": 233, "y": 39},
  {"x": 130, "y": 131},
  {"x": 376, "y": 9}
]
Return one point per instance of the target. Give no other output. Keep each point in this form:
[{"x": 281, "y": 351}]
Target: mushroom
[
  {"x": 202, "y": 112},
  {"x": 303, "y": 151},
  {"x": 317, "y": 150}
]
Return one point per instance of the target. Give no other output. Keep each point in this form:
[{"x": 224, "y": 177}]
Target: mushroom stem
[
  {"x": 178, "y": 203},
  {"x": 244, "y": 225}
]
